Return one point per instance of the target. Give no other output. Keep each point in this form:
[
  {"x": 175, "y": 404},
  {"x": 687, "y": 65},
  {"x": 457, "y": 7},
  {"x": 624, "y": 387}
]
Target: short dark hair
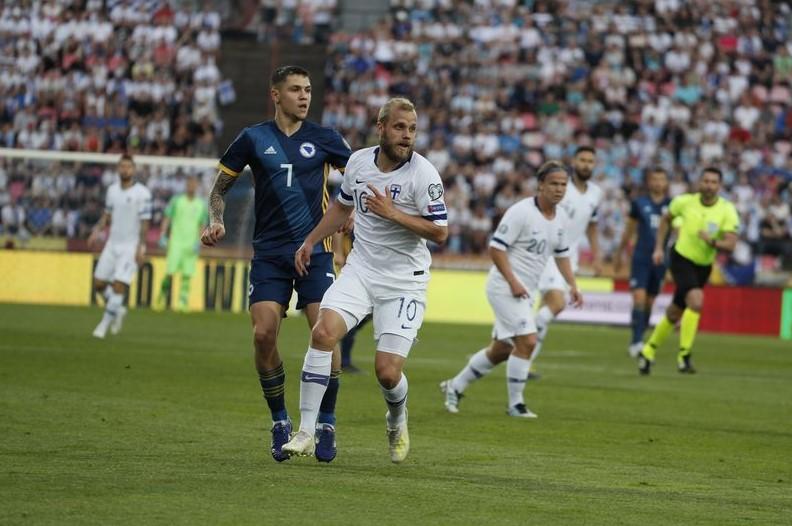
[
  {"x": 654, "y": 170},
  {"x": 126, "y": 157},
  {"x": 581, "y": 149},
  {"x": 548, "y": 168},
  {"x": 715, "y": 170},
  {"x": 282, "y": 73}
]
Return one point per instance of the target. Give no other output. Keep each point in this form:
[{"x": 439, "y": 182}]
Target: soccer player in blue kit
[
  {"x": 290, "y": 158},
  {"x": 646, "y": 278}
]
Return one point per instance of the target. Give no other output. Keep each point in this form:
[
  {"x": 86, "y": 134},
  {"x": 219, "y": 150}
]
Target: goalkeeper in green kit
[{"x": 185, "y": 217}]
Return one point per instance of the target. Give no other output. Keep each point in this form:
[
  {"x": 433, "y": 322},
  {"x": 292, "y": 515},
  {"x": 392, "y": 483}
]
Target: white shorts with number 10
[{"x": 394, "y": 312}]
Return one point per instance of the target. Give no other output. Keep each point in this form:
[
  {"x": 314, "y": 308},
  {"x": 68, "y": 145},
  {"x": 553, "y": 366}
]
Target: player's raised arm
[
  {"x": 334, "y": 219},
  {"x": 216, "y": 229},
  {"x": 382, "y": 205}
]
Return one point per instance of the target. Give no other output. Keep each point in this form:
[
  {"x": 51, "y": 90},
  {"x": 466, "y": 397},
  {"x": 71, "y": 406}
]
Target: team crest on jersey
[
  {"x": 435, "y": 191},
  {"x": 395, "y": 190},
  {"x": 307, "y": 150},
  {"x": 503, "y": 228}
]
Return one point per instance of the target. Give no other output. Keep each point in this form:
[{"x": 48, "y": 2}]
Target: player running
[
  {"x": 709, "y": 224},
  {"x": 580, "y": 203},
  {"x": 397, "y": 196},
  {"x": 185, "y": 216},
  {"x": 128, "y": 212},
  {"x": 290, "y": 158},
  {"x": 530, "y": 233},
  {"x": 646, "y": 278}
]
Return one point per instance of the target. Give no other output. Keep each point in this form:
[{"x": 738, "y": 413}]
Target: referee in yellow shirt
[{"x": 709, "y": 224}]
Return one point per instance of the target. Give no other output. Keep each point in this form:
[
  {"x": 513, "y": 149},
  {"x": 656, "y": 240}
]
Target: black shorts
[{"x": 687, "y": 276}]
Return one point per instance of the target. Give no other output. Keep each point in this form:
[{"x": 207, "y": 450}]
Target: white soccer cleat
[
  {"x": 635, "y": 349},
  {"x": 118, "y": 321},
  {"x": 451, "y": 397},
  {"x": 100, "y": 331},
  {"x": 398, "y": 440},
  {"x": 520, "y": 411},
  {"x": 301, "y": 445}
]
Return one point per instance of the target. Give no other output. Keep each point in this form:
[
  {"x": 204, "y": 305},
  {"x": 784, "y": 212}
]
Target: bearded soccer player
[
  {"x": 709, "y": 224},
  {"x": 290, "y": 158},
  {"x": 397, "y": 196}
]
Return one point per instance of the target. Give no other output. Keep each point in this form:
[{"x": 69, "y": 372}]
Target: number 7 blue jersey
[{"x": 290, "y": 181}]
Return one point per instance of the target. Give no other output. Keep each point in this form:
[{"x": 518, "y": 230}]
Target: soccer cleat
[
  {"x": 685, "y": 365},
  {"x": 302, "y": 445},
  {"x": 644, "y": 364},
  {"x": 118, "y": 321},
  {"x": 398, "y": 440},
  {"x": 635, "y": 349},
  {"x": 325, "y": 443},
  {"x": 520, "y": 411},
  {"x": 533, "y": 376},
  {"x": 452, "y": 397},
  {"x": 281, "y": 431},
  {"x": 100, "y": 331},
  {"x": 351, "y": 369}
]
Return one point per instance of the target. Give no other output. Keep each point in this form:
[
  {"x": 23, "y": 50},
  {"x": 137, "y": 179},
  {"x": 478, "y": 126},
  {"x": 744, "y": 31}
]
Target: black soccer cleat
[
  {"x": 644, "y": 365},
  {"x": 685, "y": 365}
]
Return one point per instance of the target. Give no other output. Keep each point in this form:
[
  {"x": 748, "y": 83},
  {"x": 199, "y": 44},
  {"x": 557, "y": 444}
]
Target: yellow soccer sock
[
  {"x": 659, "y": 335},
  {"x": 687, "y": 331}
]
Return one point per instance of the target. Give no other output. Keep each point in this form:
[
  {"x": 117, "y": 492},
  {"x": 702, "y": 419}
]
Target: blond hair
[{"x": 399, "y": 103}]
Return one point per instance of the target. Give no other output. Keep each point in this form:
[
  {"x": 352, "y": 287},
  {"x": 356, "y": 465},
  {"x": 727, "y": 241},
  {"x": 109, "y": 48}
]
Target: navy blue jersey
[
  {"x": 647, "y": 213},
  {"x": 290, "y": 181}
]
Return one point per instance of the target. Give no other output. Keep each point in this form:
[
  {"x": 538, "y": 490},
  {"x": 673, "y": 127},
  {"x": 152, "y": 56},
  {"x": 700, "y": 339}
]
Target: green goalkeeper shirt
[{"x": 187, "y": 216}]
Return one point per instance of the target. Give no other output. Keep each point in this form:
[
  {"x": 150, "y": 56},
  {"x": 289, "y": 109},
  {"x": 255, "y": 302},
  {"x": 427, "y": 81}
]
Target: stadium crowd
[
  {"x": 501, "y": 86},
  {"x": 504, "y": 85}
]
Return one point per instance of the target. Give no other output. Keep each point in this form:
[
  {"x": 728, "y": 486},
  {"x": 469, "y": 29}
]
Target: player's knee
[
  {"x": 695, "y": 299},
  {"x": 264, "y": 339},
  {"x": 323, "y": 337},
  {"x": 388, "y": 375}
]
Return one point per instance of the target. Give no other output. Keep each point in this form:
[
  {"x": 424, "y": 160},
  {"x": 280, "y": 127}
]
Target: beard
[
  {"x": 393, "y": 154},
  {"x": 583, "y": 175}
]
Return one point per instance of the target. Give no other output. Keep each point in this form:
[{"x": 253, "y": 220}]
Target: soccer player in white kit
[
  {"x": 580, "y": 203},
  {"x": 531, "y": 232},
  {"x": 397, "y": 196},
  {"x": 128, "y": 211}
]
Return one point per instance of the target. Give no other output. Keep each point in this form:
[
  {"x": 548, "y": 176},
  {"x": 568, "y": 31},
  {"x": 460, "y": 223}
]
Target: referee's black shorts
[{"x": 687, "y": 276}]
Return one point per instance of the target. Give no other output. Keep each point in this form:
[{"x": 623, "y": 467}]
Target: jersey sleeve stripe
[
  {"x": 344, "y": 197},
  {"x": 225, "y": 169},
  {"x": 561, "y": 250},
  {"x": 436, "y": 217},
  {"x": 498, "y": 244},
  {"x": 499, "y": 240}
]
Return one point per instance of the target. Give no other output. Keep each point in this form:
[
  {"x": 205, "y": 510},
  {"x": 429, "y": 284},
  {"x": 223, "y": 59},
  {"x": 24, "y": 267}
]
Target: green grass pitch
[{"x": 165, "y": 424}]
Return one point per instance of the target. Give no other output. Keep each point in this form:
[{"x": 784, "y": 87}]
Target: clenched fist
[{"x": 212, "y": 234}]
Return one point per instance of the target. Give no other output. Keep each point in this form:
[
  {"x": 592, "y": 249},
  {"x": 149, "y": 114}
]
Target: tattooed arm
[{"x": 216, "y": 229}]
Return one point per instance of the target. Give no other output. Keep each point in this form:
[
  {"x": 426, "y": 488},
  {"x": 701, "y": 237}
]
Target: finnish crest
[
  {"x": 395, "y": 190},
  {"x": 307, "y": 150},
  {"x": 435, "y": 191}
]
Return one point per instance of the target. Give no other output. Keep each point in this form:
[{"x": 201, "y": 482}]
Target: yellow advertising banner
[{"x": 59, "y": 278}]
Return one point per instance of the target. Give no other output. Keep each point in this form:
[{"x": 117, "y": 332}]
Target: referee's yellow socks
[
  {"x": 659, "y": 335},
  {"x": 687, "y": 331}
]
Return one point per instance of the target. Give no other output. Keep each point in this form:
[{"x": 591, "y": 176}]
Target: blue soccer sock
[
  {"x": 273, "y": 385},
  {"x": 638, "y": 324},
  {"x": 327, "y": 408}
]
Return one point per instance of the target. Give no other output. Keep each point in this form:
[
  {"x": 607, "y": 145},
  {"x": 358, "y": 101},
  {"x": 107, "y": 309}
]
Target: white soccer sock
[
  {"x": 114, "y": 303},
  {"x": 543, "y": 319},
  {"x": 478, "y": 366},
  {"x": 313, "y": 384},
  {"x": 396, "y": 399},
  {"x": 517, "y": 370}
]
